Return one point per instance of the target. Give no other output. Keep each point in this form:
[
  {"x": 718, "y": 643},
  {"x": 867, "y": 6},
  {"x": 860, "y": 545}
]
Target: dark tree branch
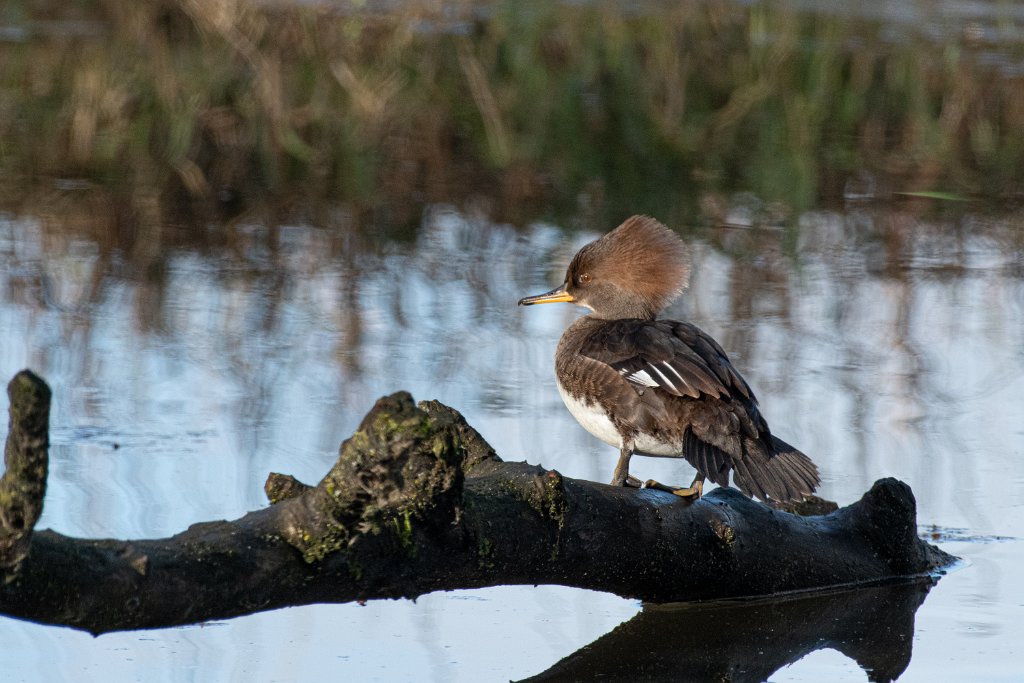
[{"x": 417, "y": 501}]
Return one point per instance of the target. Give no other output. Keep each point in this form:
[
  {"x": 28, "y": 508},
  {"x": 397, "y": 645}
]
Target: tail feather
[
  {"x": 796, "y": 468},
  {"x": 777, "y": 472},
  {"x": 786, "y": 475},
  {"x": 748, "y": 482},
  {"x": 761, "y": 469},
  {"x": 709, "y": 461}
]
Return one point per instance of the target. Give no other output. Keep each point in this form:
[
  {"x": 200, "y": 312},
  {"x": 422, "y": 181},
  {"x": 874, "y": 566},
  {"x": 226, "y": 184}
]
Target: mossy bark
[
  {"x": 417, "y": 502},
  {"x": 23, "y": 486}
]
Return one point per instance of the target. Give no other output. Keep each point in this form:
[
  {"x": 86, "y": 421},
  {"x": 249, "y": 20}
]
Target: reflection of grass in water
[{"x": 535, "y": 105}]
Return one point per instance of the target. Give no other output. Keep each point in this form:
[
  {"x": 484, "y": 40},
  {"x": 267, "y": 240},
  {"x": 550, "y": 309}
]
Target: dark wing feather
[
  {"x": 673, "y": 356},
  {"x": 714, "y": 356}
]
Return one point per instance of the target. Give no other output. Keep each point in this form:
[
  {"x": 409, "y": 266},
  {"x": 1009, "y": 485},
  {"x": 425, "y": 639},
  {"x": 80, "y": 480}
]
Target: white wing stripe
[
  {"x": 640, "y": 377},
  {"x": 668, "y": 382},
  {"x": 674, "y": 372}
]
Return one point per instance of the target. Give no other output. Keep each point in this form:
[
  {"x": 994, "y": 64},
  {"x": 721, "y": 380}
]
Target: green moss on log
[
  {"x": 23, "y": 485},
  {"x": 400, "y": 472}
]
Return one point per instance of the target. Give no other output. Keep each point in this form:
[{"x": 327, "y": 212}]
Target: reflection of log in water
[{"x": 748, "y": 641}]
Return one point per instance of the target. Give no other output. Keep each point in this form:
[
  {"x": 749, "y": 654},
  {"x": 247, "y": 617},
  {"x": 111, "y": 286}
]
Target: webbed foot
[{"x": 694, "y": 490}]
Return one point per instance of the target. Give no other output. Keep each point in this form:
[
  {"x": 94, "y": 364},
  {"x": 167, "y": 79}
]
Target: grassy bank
[{"x": 188, "y": 111}]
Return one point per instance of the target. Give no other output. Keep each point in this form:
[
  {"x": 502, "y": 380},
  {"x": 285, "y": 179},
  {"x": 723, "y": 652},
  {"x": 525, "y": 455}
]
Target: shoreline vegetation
[{"x": 190, "y": 112}]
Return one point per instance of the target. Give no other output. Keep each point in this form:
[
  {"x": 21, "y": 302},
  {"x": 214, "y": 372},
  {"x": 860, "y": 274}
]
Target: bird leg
[
  {"x": 621, "y": 476},
  {"x": 694, "y": 490}
]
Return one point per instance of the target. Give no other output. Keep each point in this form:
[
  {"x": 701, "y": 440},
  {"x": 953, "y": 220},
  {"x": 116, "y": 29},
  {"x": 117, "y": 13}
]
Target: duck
[{"x": 663, "y": 388}]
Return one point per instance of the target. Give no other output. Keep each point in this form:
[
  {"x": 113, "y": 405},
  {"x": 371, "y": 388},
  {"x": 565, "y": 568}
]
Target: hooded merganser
[{"x": 662, "y": 387}]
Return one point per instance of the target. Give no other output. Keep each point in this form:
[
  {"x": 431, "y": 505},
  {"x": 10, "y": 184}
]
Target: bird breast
[{"x": 595, "y": 420}]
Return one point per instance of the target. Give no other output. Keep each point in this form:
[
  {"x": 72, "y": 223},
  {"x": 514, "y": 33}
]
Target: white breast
[
  {"x": 595, "y": 421},
  {"x": 592, "y": 417}
]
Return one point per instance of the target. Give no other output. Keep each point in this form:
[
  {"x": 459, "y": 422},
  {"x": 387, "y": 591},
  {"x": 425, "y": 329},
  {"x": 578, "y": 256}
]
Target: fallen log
[{"x": 416, "y": 502}]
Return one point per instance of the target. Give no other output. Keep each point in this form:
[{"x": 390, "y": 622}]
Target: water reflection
[{"x": 748, "y": 642}]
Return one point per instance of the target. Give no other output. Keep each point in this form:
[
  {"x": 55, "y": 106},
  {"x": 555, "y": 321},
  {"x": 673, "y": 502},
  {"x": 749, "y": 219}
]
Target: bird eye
[{"x": 584, "y": 278}]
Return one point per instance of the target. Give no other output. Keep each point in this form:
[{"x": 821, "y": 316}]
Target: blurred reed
[{"x": 191, "y": 111}]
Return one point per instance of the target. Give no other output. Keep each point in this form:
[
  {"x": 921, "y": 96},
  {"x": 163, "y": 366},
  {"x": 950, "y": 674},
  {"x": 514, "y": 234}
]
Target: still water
[{"x": 886, "y": 342}]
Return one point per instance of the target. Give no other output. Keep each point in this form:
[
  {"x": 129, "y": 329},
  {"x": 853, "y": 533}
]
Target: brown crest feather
[{"x": 641, "y": 257}]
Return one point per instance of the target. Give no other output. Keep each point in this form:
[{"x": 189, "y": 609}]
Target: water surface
[{"x": 888, "y": 347}]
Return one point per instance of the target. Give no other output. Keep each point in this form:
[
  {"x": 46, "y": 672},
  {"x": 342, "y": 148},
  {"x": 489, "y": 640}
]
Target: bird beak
[{"x": 554, "y": 296}]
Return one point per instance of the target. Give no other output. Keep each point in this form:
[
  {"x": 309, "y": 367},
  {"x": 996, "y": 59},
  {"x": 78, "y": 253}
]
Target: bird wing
[{"x": 675, "y": 357}]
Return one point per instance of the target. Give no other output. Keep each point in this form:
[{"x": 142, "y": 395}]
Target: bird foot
[{"x": 693, "y": 491}]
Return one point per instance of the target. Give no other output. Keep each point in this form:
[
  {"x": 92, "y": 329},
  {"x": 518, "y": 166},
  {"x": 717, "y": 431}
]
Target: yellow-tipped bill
[{"x": 556, "y": 295}]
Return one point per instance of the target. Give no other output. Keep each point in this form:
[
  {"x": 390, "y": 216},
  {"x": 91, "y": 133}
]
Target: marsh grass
[{"x": 190, "y": 111}]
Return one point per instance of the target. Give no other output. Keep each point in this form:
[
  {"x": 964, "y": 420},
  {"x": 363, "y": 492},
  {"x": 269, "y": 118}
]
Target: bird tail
[
  {"x": 782, "y": 475},
  {"x": 794, "y": 469}
]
